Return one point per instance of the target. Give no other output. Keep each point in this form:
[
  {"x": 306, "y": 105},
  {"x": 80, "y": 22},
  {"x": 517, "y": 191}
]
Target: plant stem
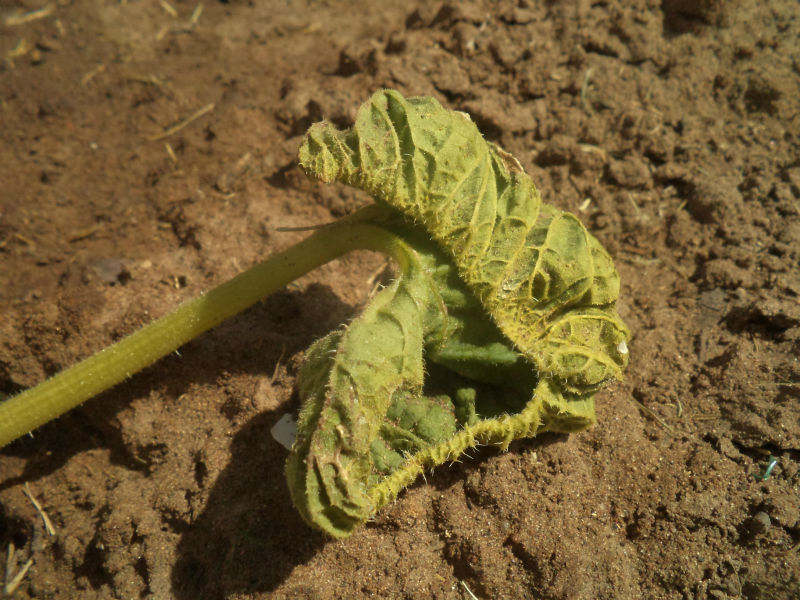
[{"x": 103, "y": 370}]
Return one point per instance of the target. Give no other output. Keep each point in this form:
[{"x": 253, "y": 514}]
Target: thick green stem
[{"x": 103, "y": 370}]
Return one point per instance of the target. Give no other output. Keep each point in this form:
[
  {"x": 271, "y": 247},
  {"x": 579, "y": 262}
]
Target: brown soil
[{"x": 671, "y": 127}]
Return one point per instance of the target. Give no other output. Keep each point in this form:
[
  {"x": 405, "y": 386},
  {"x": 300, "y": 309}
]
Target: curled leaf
[
  {"x": 528, "y": 263},
  {"x": 510, "y": 309}
]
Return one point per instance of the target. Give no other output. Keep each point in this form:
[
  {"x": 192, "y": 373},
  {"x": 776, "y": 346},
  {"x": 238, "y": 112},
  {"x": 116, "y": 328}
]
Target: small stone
[{"x": 757, "y": 525}]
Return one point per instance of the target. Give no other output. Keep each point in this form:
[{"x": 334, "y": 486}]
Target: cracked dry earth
[{"x": 669, "y": 126}]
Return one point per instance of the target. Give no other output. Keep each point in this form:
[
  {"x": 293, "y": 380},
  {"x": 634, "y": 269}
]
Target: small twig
[
  {"x": 48, "y": 525},
  {"x": 635, "y": 207},
  {"x": 149, "y": 79},
  {"x": 182, "y": 124},
  {"x": 34, "y": 15},
  {"x": 168, "y": 8},
  {"x": 24, "y": 240},
  {"x": 12, "y": 583},
  {"x": 90, "y": 75},
  {"x": 592, "y": 148},
  {"x": 82, "y": 234},
  {"x": 277, "y": 365},
  {"x": 469, "y": 591},
  {"x": 198, "y": 10},
  {"x": 635, "y": 250},
  {"x": 706, "y": 418},
  {"x": 217, "y": 194},
  {"x": 655, "y": 416},
  {"x": 171, "y": 153},
  {"x": 783, "y": 383},
  {"x": 9, "y": 563},
  {"x": 21, "y": 49}
]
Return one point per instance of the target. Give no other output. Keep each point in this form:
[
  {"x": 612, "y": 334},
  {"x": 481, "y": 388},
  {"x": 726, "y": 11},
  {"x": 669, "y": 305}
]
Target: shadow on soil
[{"x": 249, "y": 537}]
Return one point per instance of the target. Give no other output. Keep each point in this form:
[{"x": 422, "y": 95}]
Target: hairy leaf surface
[{"x": 508, "y": 301}]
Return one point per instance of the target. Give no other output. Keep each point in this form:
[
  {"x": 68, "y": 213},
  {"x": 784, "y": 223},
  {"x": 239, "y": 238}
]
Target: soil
[{"x": 670, "y": 127}]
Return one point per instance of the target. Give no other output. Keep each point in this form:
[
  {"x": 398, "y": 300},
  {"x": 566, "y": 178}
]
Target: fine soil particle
[{"x": 670, "y": 127}]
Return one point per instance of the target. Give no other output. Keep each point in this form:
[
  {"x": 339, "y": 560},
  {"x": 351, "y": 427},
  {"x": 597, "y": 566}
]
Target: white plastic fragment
[
  {"x": 284, "y": 431},
  {"x": 622, "y": 347}
]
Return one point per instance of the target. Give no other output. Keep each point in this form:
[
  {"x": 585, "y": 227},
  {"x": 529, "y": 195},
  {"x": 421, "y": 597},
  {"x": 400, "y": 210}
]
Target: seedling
[{"x": 500, "y": 324}]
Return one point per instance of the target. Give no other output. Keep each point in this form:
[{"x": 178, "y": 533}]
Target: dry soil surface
[{"x": 670, "y": 127}]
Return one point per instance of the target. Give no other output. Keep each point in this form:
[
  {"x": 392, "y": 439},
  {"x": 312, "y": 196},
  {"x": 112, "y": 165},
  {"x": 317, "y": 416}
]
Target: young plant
[{"x": 500, "y": 324}]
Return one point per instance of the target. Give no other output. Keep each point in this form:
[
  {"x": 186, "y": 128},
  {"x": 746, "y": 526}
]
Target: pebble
[{"x": 758, "y": 524}]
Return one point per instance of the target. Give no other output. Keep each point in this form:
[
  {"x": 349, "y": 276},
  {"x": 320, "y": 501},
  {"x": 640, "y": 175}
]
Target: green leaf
[
  {"x": 506, "y": 303},
  {"x": 527, "y": 262}
]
